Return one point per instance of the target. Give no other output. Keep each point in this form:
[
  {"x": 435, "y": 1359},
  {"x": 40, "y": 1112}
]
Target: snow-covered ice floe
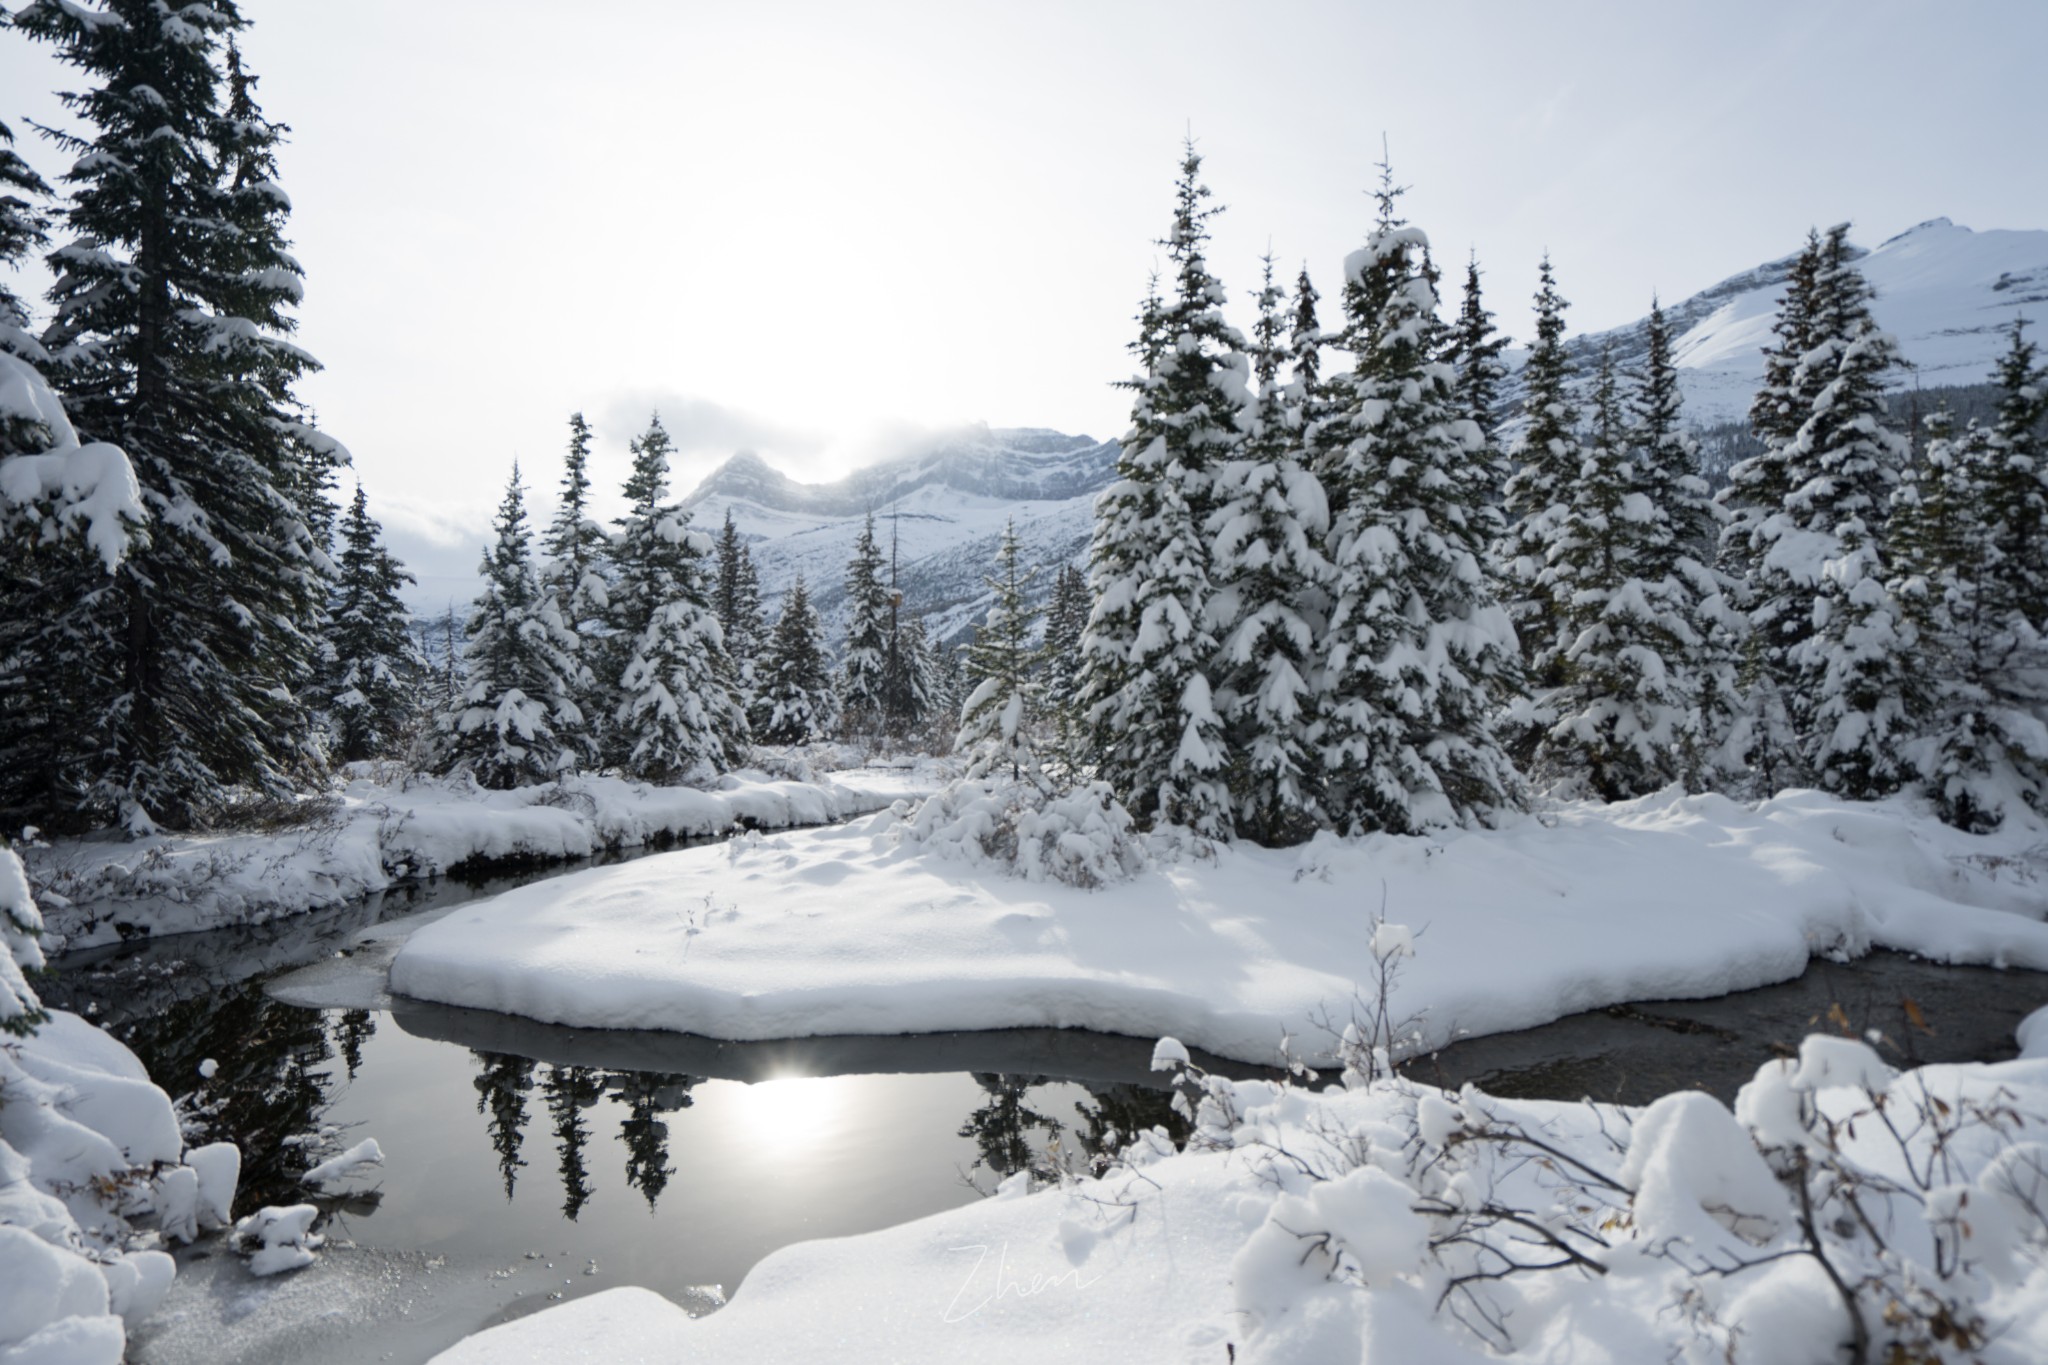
[
  {"x": 860, "y": 929},
  {"x": 1387, "y": 1221},
  {"x": 380, "y": 833}
]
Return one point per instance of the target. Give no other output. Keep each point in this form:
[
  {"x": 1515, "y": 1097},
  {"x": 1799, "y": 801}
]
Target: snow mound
[
  {"x": 895, "y": 924},
  {"x": 87, "y": 1144},
  {"x": 1083, "y": 837}
]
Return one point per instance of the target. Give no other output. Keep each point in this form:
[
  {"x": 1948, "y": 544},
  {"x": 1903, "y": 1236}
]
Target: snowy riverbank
[
  {"x": 1395, "y": 1222},
  {"x": 858, "y": 929},
  {"x": 378, "y": 833}
]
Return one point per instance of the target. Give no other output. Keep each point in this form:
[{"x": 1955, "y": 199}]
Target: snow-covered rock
[{"x": 88, "y": 1144}]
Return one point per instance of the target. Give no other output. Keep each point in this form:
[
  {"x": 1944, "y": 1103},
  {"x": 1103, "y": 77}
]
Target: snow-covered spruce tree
[
  {"x": 506, "y": 728},
  {"x": 864, "y": 667},
  {"x": 1622, "y": 710},
  {"x": 1545, "y": 459},
  {"x": 794, "y": 700},
  {"x": 737, "y": 598},
  {"x": 1968, "y": 529},
  {"x": 1001, "y": 714},
  {"x": 24, "y": 227},
  {"x": 375, "y": 672},
  {"x": 1682, "y": 550},
  {"x": 677, "y": 716},
  {"x": 1149, "y": 649},
  {"x": 1066, "y": 619},
  {"x": 1859, "y": 672},
  {"x": 1774, "y": 584},
  {"x": 578, "y": 552},
  {"x": 1472, "y": 347},
  {"x": 1269, "y": 579},
  {"x": 170, "y": 338},
  {"x": 1416, "y": 645}
]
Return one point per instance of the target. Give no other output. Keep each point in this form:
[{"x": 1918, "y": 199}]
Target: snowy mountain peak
[{"x": 941, "y": 507}]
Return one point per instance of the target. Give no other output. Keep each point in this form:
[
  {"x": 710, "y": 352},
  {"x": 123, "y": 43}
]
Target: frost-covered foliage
[
  {"x": 1621, "y": 713},
  {"x": 1271, "y": 585},
  {"x": 1545, "y": 460},
  {"x": 1082, "y": 837},
  {"x": 578, "y": 551},
  {"x": 1840, "y": 1212},
  {"x": 677, "y": 714},
  {"x": 999, "y": 719},
  {"x": 1859, "y": 673},
  {"x": 1970, "y": 541},
  {"x": 1417, "y": 650},
  {"x": 506, "y": 728},
  {"x": 374, "y": 671},
  {"x": 1682, "y": 553},
  {"x": 794, "y": 699},
  {"x": 184, "y": 677},
  {"x": 736, "y": 596},
  {"x": 863, "y": 671},
  {"x": 1149, "y": 649},
  {"x": 21, "y": 929}
]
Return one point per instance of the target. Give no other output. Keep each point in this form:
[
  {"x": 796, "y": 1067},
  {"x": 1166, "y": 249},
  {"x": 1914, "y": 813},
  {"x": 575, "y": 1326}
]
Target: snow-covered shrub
[
  {"x": 1840, "y": 1212},
  {"x": 1081, "y": 837}
]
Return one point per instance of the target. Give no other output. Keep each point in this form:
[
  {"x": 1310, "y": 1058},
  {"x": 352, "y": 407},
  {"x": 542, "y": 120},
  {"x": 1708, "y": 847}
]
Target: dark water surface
[{"x": 527, "y": 1162}]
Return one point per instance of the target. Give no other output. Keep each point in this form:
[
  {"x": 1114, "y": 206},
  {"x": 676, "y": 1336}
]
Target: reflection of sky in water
[{"x": 755, "y": 1166}]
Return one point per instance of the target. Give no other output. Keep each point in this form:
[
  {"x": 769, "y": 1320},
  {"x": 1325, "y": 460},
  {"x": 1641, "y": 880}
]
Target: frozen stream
[{"x": 527, "y": 1162}]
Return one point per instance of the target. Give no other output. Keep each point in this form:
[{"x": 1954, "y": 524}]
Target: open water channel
[{"x": 526, "y": 1163}]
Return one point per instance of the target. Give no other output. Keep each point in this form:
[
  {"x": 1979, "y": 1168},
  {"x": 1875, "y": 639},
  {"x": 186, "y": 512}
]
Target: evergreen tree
[
  {"x": 648, "y": 1095},
  {"x": 1970, "y": 535},
  {"x": 1270, "y": 577},
  {"x": 1473, "y": 349},
  {"x": 1066, "y": 619},
  {"x": 502, "y": 1083},
  {"x": 1622, "y": 711},
  {"x": 578, "y": 551},
  {"x": 1416, "y": 645},
  {"x": 1149, "y": 648},
  {"x": 999, "y": 717},
  {"x": 1775, "y": 590},
  {"x": 737, "y": 598},
  {"x": 794, "y": 700},
  {"x": 1680, "y": 549},
  {"x": 171, "y": 339},
  {"x": 376, "y": 672},
  {"x": 570, "y": 1090},
  {"x": 24, "y": 227},
  {"x": 1546, "y": 459},
  {"x": 1858, "y": 671},
  {"x": 677, "y": 716},
  {"x": 864, "y": 670},
  {"x": 506, "y": 727}
]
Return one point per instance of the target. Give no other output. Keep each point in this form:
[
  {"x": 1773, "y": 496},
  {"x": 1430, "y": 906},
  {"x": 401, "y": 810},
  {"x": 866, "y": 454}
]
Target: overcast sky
[{"x": 818, "y": 230}]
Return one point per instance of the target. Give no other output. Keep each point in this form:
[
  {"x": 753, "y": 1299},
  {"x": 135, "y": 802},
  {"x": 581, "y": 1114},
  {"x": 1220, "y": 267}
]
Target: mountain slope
[
  {"x": 1948, "y": 293},
  {"x": 942, "y": 508}
]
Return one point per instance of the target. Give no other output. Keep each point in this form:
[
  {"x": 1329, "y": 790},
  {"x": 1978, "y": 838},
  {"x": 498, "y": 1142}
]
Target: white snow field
[
  {"x": 860, "y": 929},
  {"x": 1390, "y": 1222},
  {"x": 380, "y": 833}
]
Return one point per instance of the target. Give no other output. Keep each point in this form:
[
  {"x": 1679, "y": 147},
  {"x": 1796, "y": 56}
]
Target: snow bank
[
  {"x": 87, "y": 1144},
  {"x": 1083, "y": 837},
  {"x": 860, "y": 929},
  {"x": 1307, "y": 1228},
  {"x": 379, "y": 833}
]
